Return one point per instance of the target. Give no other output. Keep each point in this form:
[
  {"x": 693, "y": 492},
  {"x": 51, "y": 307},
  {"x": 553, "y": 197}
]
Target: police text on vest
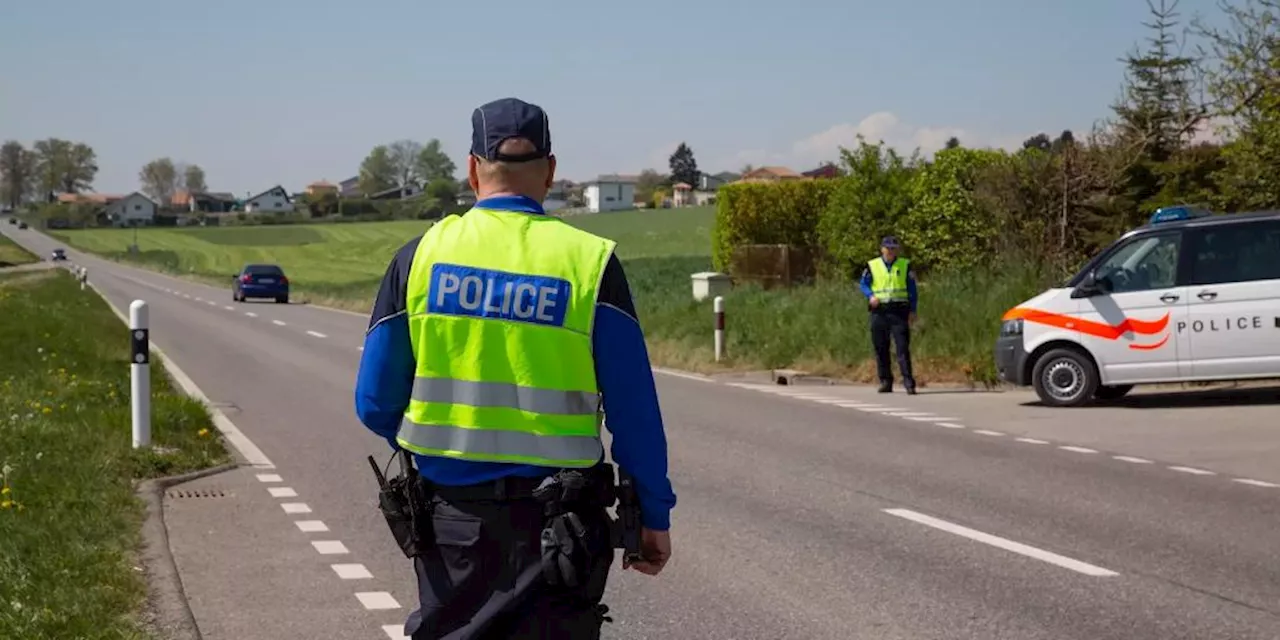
[{"x": 485, "y": 293}]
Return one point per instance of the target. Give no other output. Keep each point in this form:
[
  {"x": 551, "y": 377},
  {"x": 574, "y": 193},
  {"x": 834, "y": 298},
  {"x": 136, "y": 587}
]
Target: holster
[
  {"x": 405, "y": 503},
  {"x": 568, "y": 547}
]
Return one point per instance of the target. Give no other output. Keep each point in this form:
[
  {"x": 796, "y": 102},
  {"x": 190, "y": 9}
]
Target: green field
[
  {"x": 822, "y": 329},
  {"x": 12, "y": 255},
  {"x": 69, "y": 519}
]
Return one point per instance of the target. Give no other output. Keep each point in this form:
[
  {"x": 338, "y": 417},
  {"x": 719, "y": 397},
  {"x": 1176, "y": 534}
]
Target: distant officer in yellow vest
[
  {"x": 497, "y": 341},
  {"x": 890, "y": 288}
]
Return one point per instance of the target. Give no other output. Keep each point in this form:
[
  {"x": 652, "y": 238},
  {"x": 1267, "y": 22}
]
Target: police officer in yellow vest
[
  {"x": 890, "y": 288},
  {"x": 498, "y": 341}
]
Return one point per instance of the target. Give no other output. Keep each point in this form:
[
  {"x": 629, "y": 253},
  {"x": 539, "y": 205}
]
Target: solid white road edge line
[
  {"x": 1003, "y": 543},
  {"x": 682, "y": 374},
  {"x": 248, "y": 450}
]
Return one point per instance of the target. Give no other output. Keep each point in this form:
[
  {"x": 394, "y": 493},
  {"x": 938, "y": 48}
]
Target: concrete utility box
[{"x": 710, "y": 284}]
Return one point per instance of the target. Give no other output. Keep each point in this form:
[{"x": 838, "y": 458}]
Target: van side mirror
[{"x": 1091, "y": 285}]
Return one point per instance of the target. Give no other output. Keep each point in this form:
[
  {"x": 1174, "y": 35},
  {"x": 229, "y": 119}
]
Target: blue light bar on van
[{"x": 1180, "y": 212}]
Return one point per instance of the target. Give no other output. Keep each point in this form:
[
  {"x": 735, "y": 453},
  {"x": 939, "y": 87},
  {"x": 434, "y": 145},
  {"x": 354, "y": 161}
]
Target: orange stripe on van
[{"x": 1096, "y": 329}]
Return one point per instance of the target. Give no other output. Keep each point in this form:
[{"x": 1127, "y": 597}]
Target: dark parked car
[
  {"x": 22, "y": 225},
  {"x": 58, "y": 254},
  {"x": 261, "y": 281}
]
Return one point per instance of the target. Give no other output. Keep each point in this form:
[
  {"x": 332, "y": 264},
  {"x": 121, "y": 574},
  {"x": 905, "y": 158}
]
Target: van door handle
[
  {"x": 1206, "y": 295},
  {"x": 1169, "y": 297}
]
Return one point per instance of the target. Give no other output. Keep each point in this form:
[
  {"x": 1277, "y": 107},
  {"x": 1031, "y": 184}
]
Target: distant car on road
[
  {"x": 261, "y": 281},
  {"x": 13, "y": 221},
  {"x": 22, "y": 225},
  {"x": 58, "y": 254}
]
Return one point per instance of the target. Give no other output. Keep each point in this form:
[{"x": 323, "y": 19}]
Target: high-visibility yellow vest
[
  {"x": 500, "y": 307},
  {"x": 889, "y": 284}
]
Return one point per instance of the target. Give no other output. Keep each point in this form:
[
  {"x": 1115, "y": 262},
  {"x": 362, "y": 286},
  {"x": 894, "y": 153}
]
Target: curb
[{"x": 171, "y": 612}]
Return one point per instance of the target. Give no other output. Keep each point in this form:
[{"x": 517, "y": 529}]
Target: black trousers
[
  {"x": 483, "y": 578},
  {"x": 891, "y": 322}
]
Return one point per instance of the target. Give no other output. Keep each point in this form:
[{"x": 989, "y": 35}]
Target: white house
[
  {"x": 610, "y": 193},
  {"x": 133, "y": 209},
  {"x": 275, "y": 199}
]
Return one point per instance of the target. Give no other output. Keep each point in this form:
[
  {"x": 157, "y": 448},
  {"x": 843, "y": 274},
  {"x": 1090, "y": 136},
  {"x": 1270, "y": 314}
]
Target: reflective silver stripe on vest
[
  {"x": 501, "y": 394},
  {"x": 496, "y": 442}
]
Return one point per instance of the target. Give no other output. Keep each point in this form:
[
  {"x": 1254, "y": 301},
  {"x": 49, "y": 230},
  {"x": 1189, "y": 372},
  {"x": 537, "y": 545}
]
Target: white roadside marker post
[
  {"x": 140, "y": 366},
  {"x": 718, "y": 306}
]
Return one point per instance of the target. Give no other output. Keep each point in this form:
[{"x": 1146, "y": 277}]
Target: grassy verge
[
  {"x": 69, "y": 519},
  {"x": 821, "y": 329},
  {"x": 12, "y": 255}
]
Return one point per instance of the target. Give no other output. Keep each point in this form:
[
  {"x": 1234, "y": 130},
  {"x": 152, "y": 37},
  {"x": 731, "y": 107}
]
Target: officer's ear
[
  {"x": 551, "y": 170},
  {"x": 472, "y": 178}
]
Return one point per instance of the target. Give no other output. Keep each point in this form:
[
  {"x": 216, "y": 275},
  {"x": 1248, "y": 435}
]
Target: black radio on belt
[{"x": 405, "y": 505}]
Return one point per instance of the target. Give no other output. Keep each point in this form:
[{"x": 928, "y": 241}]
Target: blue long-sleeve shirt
[
  {"x": 622, "y": 368},
  {"x": 912, "y": 296}
]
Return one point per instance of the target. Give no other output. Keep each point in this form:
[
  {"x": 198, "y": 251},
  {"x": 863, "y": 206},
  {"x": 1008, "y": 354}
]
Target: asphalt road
[{"x": 802, "y": 515}]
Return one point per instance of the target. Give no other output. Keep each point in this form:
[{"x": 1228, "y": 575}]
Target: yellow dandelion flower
[
  {"x": 5, "y": 504},
  {"x": 5, "y": 491},
  {"x": 46, "y": 410},
  {"x": 203, "y": 432}
]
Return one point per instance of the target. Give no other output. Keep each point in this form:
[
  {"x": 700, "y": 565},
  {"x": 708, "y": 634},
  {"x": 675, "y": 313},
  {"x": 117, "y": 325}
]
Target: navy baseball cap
[
  {"x": 500, "y": 120},
  {"x": 890, "y": 242}
]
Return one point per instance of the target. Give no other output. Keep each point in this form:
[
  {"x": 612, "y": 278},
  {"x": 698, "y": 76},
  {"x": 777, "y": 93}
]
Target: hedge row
[{"x": 932, "y": 207}]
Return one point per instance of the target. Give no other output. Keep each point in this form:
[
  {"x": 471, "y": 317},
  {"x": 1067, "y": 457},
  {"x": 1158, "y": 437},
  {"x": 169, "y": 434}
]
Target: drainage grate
[{"x": 197, "y": 493}]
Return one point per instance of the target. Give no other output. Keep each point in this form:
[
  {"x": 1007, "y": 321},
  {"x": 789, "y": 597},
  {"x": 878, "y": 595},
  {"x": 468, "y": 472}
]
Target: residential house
[
  {"x": 771, "y": 174},
  {"x": 133, "y": 209},
  {"x": 122, "y": 211},
  {"x": 273, "y": 200},
  {"x": 610, "y": 192},
  {"x": 350, "y": 188},
  {"x": 321, "y": 187},
  {"x": 397, "y": 193},
  {"x": 828, "y": 170},
  {"x": 558, "y": 196},
  {"x": 708, "y": 185},
  {"x": 204, "y": 202},
  {"x": 681, "y": 194}
]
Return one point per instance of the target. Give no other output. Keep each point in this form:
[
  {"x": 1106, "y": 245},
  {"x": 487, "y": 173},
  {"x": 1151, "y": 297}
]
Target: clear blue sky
[{"x": 268, "y": 92}]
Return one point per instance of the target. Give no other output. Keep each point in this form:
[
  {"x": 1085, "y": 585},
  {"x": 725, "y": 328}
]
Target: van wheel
[
  {"x": 1112, "y": 392},
  {"x": 1065, "y": 378}
]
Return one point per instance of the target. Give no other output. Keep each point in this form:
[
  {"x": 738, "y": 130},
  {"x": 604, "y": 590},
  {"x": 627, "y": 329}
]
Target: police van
[{"x": 1189, "y": 297}]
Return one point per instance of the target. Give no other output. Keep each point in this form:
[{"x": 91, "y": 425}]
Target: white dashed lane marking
[
  {"x": 251, "y": 314},
  {"x": 377, "y": 600},
  {"x": 329, "y": 547},
  {"x": 268, "y": 477},
  {"x": 1003, "y": 543},
  {"x": 1077, "y": 449},
  {"x": 295, "y": 507},
  {"x": 351, "y": 571},
  {"x": 278, "y": 323},
  {"x": 311, "y": 526},
  {"x": 228, "y": 308},
  {"x": 283, "y": 492},
  {"x": 317, "y": 334},
  {"x": 946, "y": 422},
  {"x": 394, "y": 631},
  {"x": 1132, "y": 459},
  {"x": 1193, "y": 471}
]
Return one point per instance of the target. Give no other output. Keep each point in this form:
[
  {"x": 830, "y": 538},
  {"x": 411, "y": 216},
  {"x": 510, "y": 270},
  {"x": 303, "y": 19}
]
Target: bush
[
  {"x": 944, "y": 227},
  {"x": 768, "y": 213},
  {"x": 866, "y": 205}
]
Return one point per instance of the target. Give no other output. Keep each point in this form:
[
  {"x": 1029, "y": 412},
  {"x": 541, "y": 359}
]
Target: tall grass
[
  {"x": 12, "y": 255},
  {"x": 68, "y": 516}
]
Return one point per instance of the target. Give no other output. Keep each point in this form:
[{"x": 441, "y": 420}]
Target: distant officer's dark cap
[
  {"x": 500, "y": 120},
  {"x": 890, "y": 242}
]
